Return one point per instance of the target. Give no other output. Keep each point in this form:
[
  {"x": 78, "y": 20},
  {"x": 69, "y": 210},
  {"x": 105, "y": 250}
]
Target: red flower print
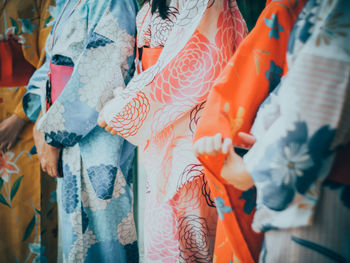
[
  {"x": 225, "y": 34},
  {"x": 130, "y": 119},
  {"x": 6, "y": 166},
  {"x": 160, "y": 232},
  {"x": 189, "y": 76}
]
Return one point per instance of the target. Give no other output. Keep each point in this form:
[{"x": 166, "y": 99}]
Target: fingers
[
  {"x": 108, "y": 128},
  {"x": 49, "y": 160},
  {"x": 226, "y": 145},
  {"x": 3, "y": 146},
  {"x": 247, "y": 139},
  {"x": 101, "y": 122},
  {"x": 50, "y": 169},
  {"x": 208, "y": 145},
  {"x": 217, "y": 142},
  {"x": 54, "y": 171},
  {"x": 198, "y": 147},
  {"x": 12, "y": 143}
]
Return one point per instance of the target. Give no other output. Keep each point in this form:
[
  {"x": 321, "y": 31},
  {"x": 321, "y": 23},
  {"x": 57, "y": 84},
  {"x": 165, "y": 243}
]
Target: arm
[
  {"x": 48, "y": 155},
  {"x": 233, "y": 170},
  {"x": 290, "y": 161},
  {"x": 103, "y": 65},
  {"x": 35, "y": 95},
  {"x": 293, "y": 149}
]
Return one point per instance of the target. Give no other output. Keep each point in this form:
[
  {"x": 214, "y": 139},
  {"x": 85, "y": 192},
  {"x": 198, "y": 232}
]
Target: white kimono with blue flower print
[
  {"x": 94, "y": 195},
  {"x": 302, "y": 124}
]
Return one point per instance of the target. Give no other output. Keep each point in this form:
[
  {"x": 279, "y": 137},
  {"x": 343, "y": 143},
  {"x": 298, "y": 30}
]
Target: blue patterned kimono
[
  {"x": 299, "y": 130},
  {"x": 97, "y": 38}
]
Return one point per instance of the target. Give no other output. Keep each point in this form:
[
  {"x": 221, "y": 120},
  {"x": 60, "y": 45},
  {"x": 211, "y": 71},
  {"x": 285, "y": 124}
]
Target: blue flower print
[
  {"x": 273, "y": 75},
  {"x": 27, "y": 26},
  {"x": 62, "y": 138},
  {"x": 102, "y": 178},
  {"x": 69, "y": 191},
  {"x": 319, "y": 148},
  {"x": 304, "y": 24},
  {"x": 97, "y": 40},
  {"x": 276, "y": 28},
  {"x": 293, "y": 160},
  {"x": 250, "y": 200},
  {"x": 292, "y": 164},
  {"x": 221, "y": 207},
  {"x": 277, "y": 197},
  {"x": 62, "y": 60}
]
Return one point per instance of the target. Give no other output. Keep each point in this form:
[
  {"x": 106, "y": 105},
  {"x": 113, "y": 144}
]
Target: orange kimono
[{"x": 251, "y": 74}]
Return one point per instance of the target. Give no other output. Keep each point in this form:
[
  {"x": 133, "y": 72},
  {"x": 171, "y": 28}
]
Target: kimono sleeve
[
  {"x": 105, "y": 63},
  {"x": 33, "y": 98},
  {"x": 294, "y": 155}
]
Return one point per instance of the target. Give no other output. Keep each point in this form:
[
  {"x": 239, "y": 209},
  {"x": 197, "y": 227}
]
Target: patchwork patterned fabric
[{"x": 94, "y": 198}]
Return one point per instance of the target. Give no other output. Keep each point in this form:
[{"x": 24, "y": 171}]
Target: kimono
[
  {"x": 252, "y": 73},
  {"x": 28, "y": 217},
  {"x": 94, "y": 195},
  {"x": 159, "y": 111},
  {"x": 301, "y": 127}
]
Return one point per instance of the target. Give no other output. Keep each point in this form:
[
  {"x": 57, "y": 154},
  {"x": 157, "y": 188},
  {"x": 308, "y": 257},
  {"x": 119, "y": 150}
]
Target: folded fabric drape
[{"x": 15, "y": 70}]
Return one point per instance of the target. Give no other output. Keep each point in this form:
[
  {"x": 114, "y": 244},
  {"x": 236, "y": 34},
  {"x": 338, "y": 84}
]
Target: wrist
[
  {"x": 236, "y": 174},
  {"x": 18, "y": 121}
]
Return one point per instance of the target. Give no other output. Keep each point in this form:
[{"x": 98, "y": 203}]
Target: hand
[
  {"x": 233, "y": 171},
  {"x": 111, "y": 108},
  {"x": 247, "y": 139},
  {"x": 10, "y": 129},
  {"x": 212, "y": 145},
  {"x": 102, "y": 123},
  {"x": 48, "y": 155}
]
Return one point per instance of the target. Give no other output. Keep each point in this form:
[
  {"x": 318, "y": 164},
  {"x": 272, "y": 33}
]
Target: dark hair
[{"x": 160, "y": 6}]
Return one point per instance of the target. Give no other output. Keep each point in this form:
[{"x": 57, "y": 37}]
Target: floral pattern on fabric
[
  {"x": 295, "y": 150},
  {"x": 250, "y": 75},
  {"x": 28, "y": 213},
  {"x": 155, "y": 112},
  {"x": 94, "y": 197}
]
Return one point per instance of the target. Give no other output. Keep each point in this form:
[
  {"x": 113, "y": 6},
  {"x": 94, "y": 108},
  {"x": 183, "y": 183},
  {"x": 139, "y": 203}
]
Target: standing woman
[
  {"x": 27, "y": 222},
  {"x": 300, "y": 160},
  {"x": 159, "y": 111},
  {"x": 90, "y": 52}
]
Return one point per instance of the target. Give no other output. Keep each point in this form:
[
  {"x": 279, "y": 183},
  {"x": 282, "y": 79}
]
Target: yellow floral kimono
[{"x": 27, "y": 199}]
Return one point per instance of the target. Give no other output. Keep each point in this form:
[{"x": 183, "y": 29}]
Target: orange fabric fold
[
  {"x": 150, "y": 56},
  {"x": 251, "y": 74}
]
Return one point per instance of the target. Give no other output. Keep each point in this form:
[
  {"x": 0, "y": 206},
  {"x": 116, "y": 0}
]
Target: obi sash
[
  {"x": 61, "y": 69},
  {"x": 150, "y": 56},
  {"x": 15, "y": 70}
]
